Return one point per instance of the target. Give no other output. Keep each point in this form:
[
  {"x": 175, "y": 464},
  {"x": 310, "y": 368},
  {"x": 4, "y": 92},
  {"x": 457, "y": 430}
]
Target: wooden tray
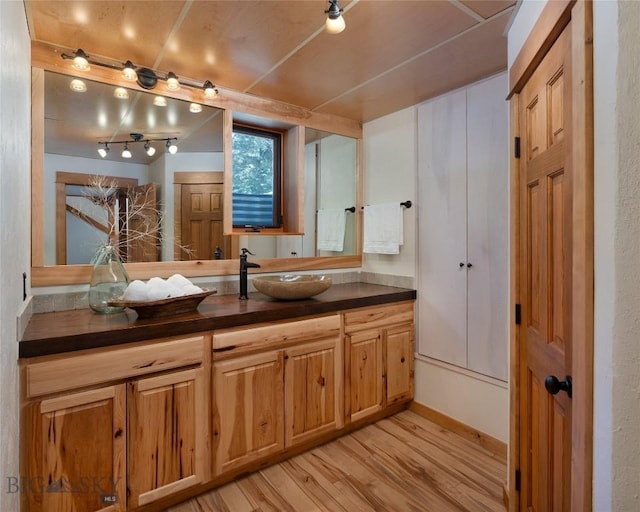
[{"x": 164, "y": 307}]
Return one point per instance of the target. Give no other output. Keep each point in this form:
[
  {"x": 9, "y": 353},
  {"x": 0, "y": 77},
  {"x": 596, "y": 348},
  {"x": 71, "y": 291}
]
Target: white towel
[
  {"x": 331, "y": 228},
  {"x": 383, "y": 228}
]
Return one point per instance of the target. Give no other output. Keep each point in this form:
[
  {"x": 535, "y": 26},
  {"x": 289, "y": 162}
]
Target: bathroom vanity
[{"x": 125, "y": 414}]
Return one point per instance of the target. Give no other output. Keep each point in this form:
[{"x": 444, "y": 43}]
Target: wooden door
[
  {"x": 554, "y": 279},
  {"x": 201, "y": 220},
  {"x": 248, "y": 409},
  {"x": 77, "y": 452},
  {"x": 363, "y": 361},
  {"x": 398, "y": 356},
  {"x": 167, "y": 435},
  {"x": 313, "y": 390}
]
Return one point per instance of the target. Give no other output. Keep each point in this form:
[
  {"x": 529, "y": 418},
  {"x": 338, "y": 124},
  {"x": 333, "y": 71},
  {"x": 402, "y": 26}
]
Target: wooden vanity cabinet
[
  {"x": 313, "y": 379},
  {"x": 112, "y": 429},
  {"x": 167, "y": 434},
  {"x": 379, "y": 354},
  {"x": 248, "y": 409},
  {"x": 76, "y": 452},
  {"x": 286, "y": 390}
]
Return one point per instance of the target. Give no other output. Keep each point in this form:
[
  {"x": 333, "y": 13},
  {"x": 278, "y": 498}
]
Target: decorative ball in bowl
[{"x": 292, "y": 287}]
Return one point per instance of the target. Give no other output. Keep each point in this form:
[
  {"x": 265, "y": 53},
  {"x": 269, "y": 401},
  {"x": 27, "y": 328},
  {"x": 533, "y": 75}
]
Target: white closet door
[
  {"x": 442, "y": 228},
  {"x": 488, "y": 227}
]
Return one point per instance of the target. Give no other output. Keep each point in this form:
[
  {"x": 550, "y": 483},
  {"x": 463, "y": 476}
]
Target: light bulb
[
  {"x": 129, "y": 73},
  {"x": 160, "y": 101},
  {"x": 195, "y": 108},
  {"x": 125, "y": 152},
  {"x": 209, "y": 90},
  {"x": 171, "y": 147},
  {"x": 172, "y": 81},
  {"x": 77, "y": 85},
  {"x": 103, "y": 151},
  {"x": 121, "y": 93},
  {"x": 335, "y": 25},
  {"x": 80, "y": 61},
  {"x": 149, "y": 148}
]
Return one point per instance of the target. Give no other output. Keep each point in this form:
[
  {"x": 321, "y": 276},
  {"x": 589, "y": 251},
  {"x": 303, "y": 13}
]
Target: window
[{"x": 256, "y": 178}]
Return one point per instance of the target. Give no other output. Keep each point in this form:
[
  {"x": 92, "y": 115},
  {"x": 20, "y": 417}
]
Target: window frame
[{"x": 278, "y": 166}]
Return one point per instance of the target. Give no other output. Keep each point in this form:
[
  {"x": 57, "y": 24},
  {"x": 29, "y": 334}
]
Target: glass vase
[{"x": 108, "y": 279}]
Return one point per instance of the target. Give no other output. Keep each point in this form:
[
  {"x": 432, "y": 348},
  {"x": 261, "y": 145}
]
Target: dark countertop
[{"x": 67, "y": 331}]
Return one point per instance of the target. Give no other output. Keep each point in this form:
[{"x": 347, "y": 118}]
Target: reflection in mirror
[
  {"x": 330, "y": 193},
  {"x": 76, "y": 122}
]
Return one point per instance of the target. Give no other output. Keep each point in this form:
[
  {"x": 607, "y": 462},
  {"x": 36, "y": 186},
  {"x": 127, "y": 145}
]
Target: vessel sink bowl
[{"x": 292, "y": 287}]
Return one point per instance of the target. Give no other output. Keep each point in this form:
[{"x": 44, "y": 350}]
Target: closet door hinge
[
  {"x": 516, "y": 147},
  {"x": 518, "y": 314}
]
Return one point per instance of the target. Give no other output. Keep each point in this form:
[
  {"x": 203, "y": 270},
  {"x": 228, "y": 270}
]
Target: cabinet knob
[
  {"x": 402, "y": 359},
  {"x": 321, "y": 381},
  {"x": 469, "y": 265},
  {"x": 461, "y": 265}
]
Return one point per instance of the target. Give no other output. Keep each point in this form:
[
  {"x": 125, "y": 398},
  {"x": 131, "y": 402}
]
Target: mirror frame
[{"x": 45, "y": 57}]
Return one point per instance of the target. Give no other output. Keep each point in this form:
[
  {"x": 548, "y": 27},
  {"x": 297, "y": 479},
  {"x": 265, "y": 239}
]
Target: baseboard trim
[{"x": 486, "y": 441}]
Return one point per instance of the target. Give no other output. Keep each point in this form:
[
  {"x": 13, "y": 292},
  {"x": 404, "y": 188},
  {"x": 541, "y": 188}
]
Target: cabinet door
[
  {"x": 76, "y": 452},
  {"x": 363, "y": 360},
  {"x": 442, "y": 244},
  {"x": 313, "y": 390},
  {"x": 248, "y": 415},
  {"x": 168, "y": 424},
  {"x": 398, "y": 363},
  {"x": 488, "y": 178}
]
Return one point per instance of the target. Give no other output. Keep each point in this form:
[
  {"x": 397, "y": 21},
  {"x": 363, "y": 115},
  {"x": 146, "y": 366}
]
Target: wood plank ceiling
[{"x": 392, "y": 54}]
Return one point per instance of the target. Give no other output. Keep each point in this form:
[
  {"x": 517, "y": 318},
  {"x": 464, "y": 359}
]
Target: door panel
[
  {"x": 249, "y": 401},
  {"x": 442, "y": 125},
  {"x": 546, "y": 232},
  {"x": 202, "y": 213}
]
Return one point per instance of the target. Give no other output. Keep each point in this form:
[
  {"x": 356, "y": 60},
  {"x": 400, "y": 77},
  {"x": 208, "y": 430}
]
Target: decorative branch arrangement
[{"x": 134, "y": 223}]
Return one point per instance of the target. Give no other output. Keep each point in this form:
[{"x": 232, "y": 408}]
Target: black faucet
[{"x": 244, "y": 265}]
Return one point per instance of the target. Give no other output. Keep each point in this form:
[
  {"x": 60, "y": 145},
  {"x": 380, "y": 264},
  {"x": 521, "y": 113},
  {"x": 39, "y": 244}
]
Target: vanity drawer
[
  {"x": 243, "y": 340},
  {"x": 378, "y": 316},
  {"x": 55, "y": 374}
]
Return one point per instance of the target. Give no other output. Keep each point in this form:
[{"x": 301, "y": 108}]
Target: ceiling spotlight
[
  {"x": 121, "y": 93},
  {"x": 171, "y": 147},
  {"x": 104, "y": 151},
  {"x": 172, "y": 81},
  {"x": 210, "y": 90},
  {"x": 195, "y": 108},
  {"x": 160, "y": 101},
  {"x": 335, "y": 22},
  {"x": 81, "y": 61},
  {"x": 77, "y": 85},
  {"x": 129, "y": 72},
  {"x": 125, "y": 152},
  {"x": 149, "y": 148}
]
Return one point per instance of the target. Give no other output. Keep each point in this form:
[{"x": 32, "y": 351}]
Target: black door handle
[{"x": 554, "y": 386}]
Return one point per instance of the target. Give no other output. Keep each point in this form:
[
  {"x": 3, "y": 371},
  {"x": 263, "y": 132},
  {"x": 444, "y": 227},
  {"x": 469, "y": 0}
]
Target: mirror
[
  {"x": 46, "y": 60},
  {"x": 76, "y": 122},
  {"x": 74, "y": 125}
]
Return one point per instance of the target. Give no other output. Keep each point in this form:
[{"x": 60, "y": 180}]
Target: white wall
[
  {"x": 390, "y": 163},
  {"x": 616, "y": 448},
  {"x": 15, "y": 229}
]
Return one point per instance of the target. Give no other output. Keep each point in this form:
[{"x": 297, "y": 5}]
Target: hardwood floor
[{"x": 403, "y": 463}]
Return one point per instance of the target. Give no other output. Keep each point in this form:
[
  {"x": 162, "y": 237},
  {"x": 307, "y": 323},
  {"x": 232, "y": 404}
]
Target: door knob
[{"x": 554, "y": 386}]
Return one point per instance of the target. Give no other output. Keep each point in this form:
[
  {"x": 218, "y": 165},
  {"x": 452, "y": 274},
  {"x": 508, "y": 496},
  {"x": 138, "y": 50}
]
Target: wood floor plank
[{"x": 404, "y": 463}]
